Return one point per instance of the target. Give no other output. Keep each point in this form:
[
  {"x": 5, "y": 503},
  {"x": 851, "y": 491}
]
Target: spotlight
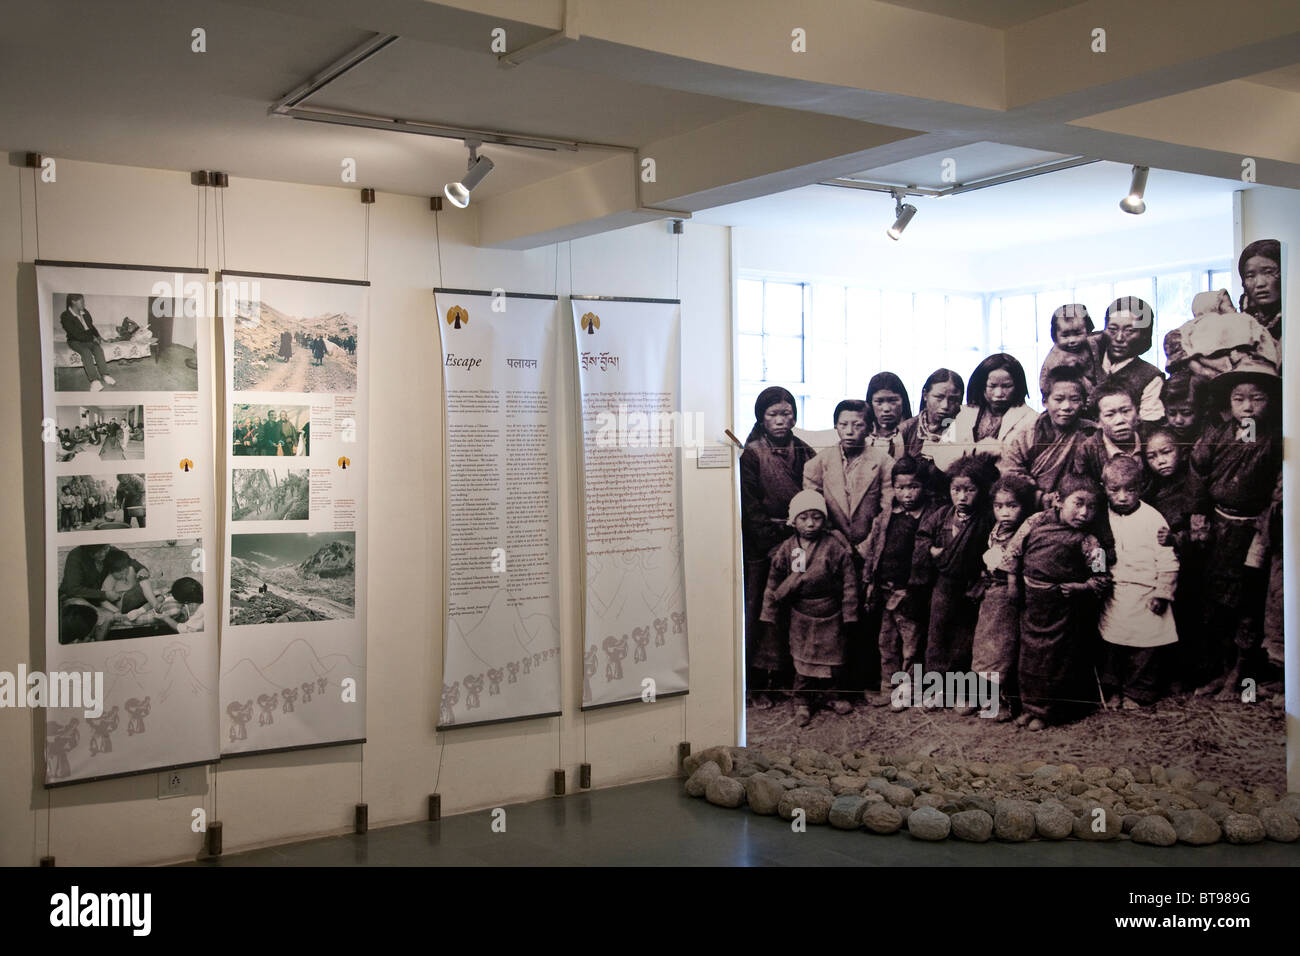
[
  {"x": 903, "y": 213},
  {"x": 1133, "y": 202},
  {"x": 479, "y": 166}
]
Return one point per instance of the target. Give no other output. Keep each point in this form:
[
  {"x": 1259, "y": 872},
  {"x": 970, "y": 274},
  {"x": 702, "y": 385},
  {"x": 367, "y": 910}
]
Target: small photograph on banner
[
  {"x": 262, "y": 430},
  {"x": 94, "y": 433},
  {"x": 279, "y": 350},
  {"x": 283, "y": 578},
  {"x": 109, "y": 502},
  {"x": 124, "y": 343},
  {"x": 120, "y": 590},
  {"x": 275, "y": 493}
]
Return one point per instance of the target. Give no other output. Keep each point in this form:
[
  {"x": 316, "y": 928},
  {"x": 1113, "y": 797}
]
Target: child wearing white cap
[{"x": 812, "y": 575}]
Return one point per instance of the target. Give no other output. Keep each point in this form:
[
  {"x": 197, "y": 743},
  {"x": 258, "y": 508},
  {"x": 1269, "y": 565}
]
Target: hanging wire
[
  {"x": 570, "y": 267},
  {"x": 365, "y": 268},
  {"x": 678, "y": 269},
  {"x": 36, "y": 208},
  {"x": 198, "y": 220},
  {"x": 225, "y": 259},
  {"x": 437, "y": 244}
]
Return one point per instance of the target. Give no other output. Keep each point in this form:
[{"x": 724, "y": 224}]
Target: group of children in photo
[{"x": 1122, "y": 545}]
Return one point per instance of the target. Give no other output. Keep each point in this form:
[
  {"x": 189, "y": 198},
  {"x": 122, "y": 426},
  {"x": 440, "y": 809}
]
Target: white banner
[
  {"x": 629, "y": 368},
  {"x": 501, "y": 657},
  {"x": 293, "y": 649},
  {"x": 131, "y": 633}
]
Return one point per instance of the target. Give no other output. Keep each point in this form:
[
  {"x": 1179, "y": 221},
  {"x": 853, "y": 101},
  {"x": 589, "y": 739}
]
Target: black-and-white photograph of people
[
  {"x": 124, "y": 343},
  {"x": 1097, "y": 560}
]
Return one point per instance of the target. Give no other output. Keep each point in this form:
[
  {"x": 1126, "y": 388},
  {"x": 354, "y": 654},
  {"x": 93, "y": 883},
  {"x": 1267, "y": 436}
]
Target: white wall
[{"x": 99, "y": 213}]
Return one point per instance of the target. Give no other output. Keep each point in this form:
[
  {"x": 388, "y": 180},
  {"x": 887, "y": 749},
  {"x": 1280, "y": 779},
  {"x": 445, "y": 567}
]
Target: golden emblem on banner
[
  {"x": 457, "y": 316},
  {"x": 590, "y": 322},
  {"x": 344, "y": 462},
  {"x": 186, "y": 464}
]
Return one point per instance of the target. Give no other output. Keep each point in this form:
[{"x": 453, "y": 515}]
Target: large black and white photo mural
[{"x": 1072, "y": 554}]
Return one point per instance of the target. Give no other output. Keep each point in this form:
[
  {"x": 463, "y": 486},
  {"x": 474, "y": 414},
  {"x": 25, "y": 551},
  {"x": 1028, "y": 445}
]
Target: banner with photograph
[
  {"x": 1072, "y": 553},
  {"x": 130, "y": 634},
  {"x": 629, "y": 369},
  {"x": 293, "y": 649},
  {"x": 501, "y": 658}
]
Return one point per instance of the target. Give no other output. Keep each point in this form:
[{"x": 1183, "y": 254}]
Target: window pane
[
  {"x": 784, "y": 356},
  {"x": 783, "y": 313},
  {"x": 897, "y": 336},
  {"x": 861, "y": 337},
  {"x": 1138, "y": 287},
  {"x": 819, "y": 410},
  {"x": 967, "y": 338},
  {"x": 1221, "y": 280},
  {"x": 1174, "y": 293},
  {"x": 749, "y": 358},
  {"x": 749, "y": 308},
  {"x": 824, "y": 340},
  {"x": 1096, "y": 297},
  {"x": 1019, "y": 332}
]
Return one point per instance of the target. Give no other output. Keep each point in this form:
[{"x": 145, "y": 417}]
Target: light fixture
[
  {"x": 903, "y": 213},
  {"x": 479, "y": 166},
  {"x": 1133, "y": 202}
]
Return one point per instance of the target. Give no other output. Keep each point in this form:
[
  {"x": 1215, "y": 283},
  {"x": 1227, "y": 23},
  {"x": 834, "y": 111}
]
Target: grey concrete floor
[{"x": 656, "y": 824}]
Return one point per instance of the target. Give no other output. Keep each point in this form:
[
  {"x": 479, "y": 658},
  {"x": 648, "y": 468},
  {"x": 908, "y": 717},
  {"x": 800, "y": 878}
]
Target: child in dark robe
[
  {"x": 771, "y": 473},
  {"x": 948, "y": 561},
  {"x": 1179, "y": 494},
  {"x": 1119, "y": 435},
  {"x": 814, "y": 578},
  {"x": 1047, "y": 451},
  {"x": 1186, "y": 398},
  {"x": 887, "y": 570},
  {"x": 1239, "y": 456},
  {"x": 996, "y": 650},
  {"x": 1062, "y": 566}
]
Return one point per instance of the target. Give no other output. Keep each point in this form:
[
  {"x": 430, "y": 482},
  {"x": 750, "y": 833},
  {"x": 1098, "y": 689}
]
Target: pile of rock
[{"x": 975, "y": 801}]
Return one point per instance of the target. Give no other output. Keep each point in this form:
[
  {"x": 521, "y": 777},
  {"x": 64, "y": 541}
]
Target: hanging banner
[
  {"x": 629, "y": 369},
  {"x": 501, "y": 658},
  {"x": 130, "y": 635},
  {"x": 293, "y": 649}
]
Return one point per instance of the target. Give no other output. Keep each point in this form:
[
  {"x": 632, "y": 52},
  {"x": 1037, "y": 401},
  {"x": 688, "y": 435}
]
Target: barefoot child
[
  {"x": 1137, "y": 624},
  {"x": 996, "y": 649},
  {"x": 948, "y": 561},
  {"x": 1062, "y": 567},
  {"x": 886, "y": 572},
  {"x": 813, "y": 576},
  {"x": 1179, "y": 495},
  {"x": 1239, "y": 456}
]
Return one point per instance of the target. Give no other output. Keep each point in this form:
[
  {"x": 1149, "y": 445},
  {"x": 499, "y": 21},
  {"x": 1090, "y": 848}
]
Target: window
[
  {"x": 1023, "y": 320},
  {"x": 770, "y": 323},
  {"x": 823, "y": 341}
]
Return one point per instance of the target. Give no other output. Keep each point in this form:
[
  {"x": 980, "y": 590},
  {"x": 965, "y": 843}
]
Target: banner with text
[
  {"x": 130, "y": 615},
  {"x": 501, "y": 658},
  {"x": 293, "y": 650},
  {"x": 629, "y": 369}
]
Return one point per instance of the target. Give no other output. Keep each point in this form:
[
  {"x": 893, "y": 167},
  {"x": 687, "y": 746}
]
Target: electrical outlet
[{"x": 173, "y": 783}]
